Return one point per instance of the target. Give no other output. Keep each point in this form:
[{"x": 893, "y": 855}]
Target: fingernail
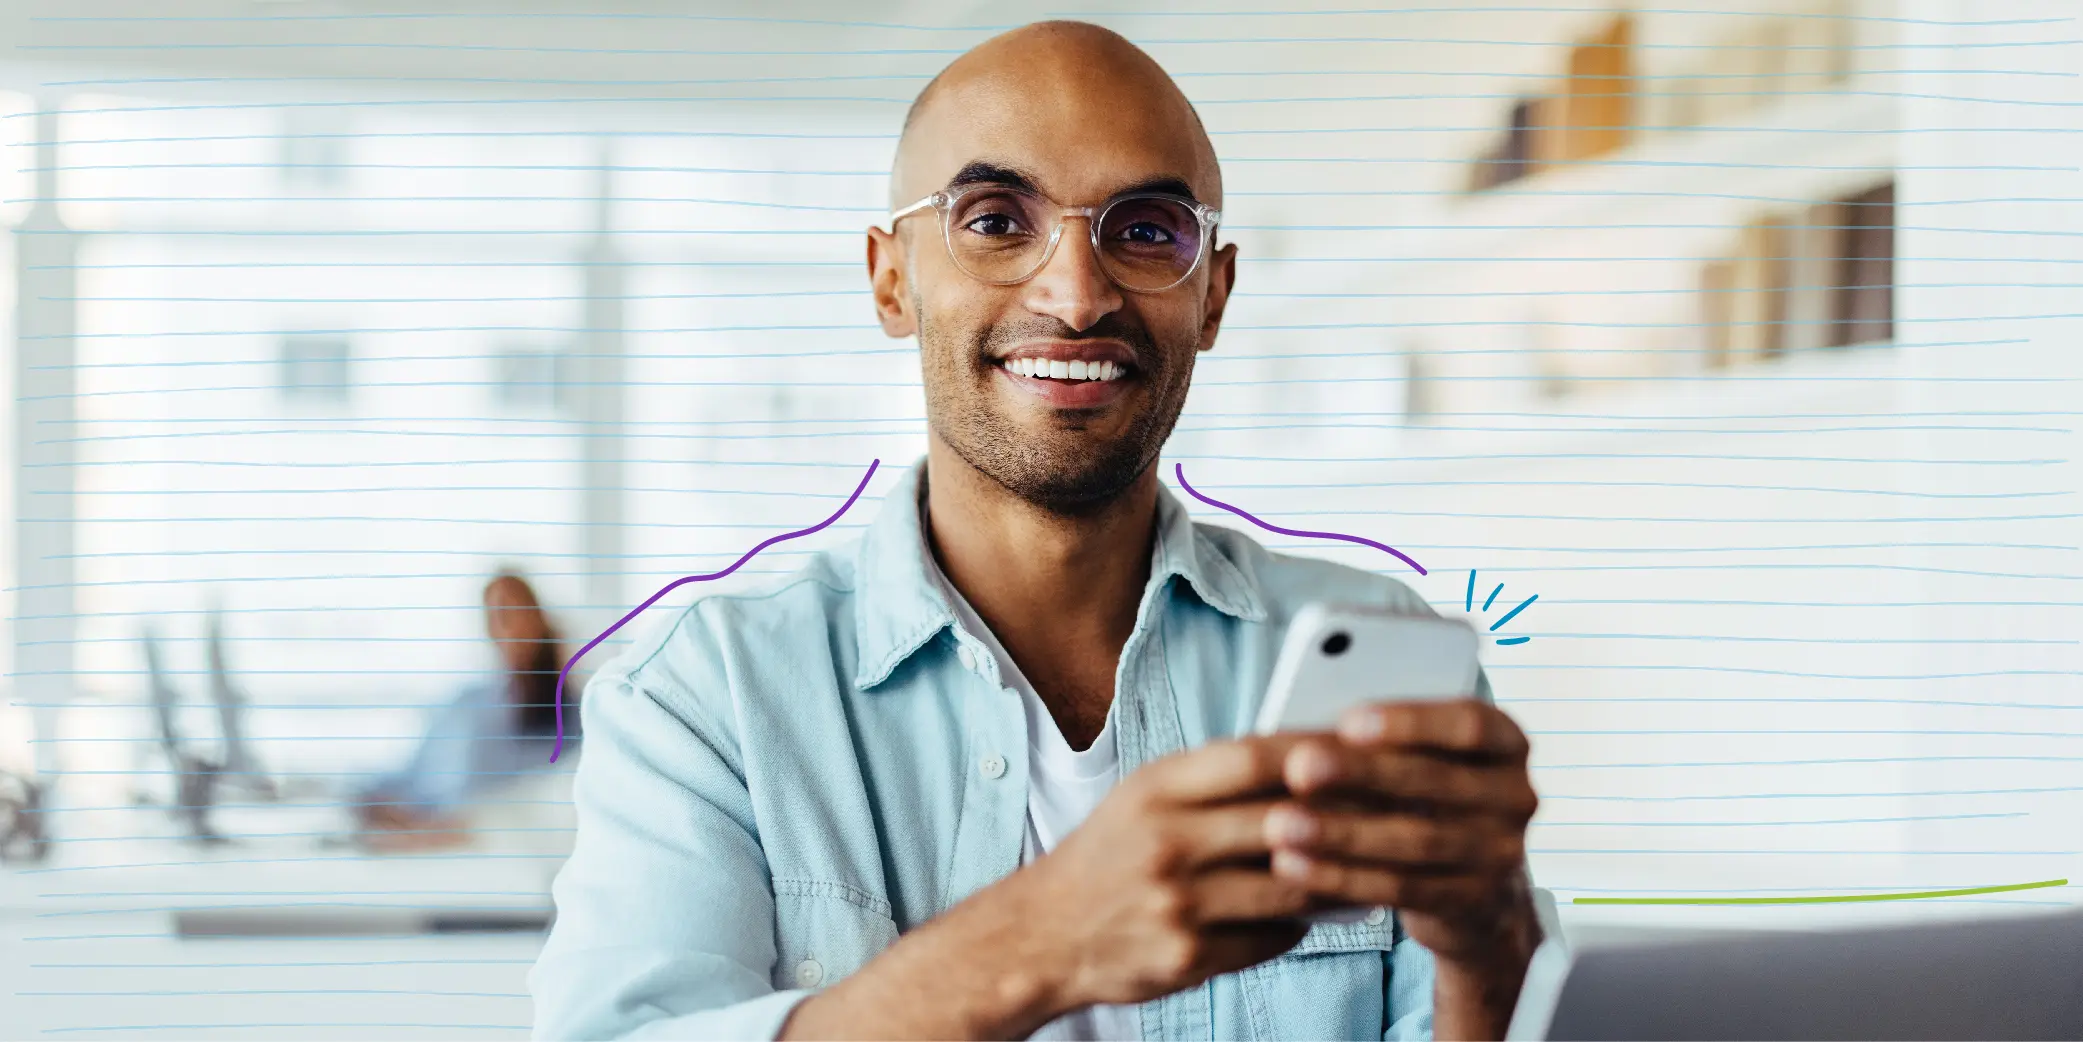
[
  {"x": 1290, "y": 865},
  {"x": 1290, "y": 826},
  {"x": 1362, "y": 725},
  {"x": 1309, "y": 766}
]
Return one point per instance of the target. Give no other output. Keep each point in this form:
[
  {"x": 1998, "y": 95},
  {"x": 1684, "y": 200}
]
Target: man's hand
[
  {"x": 1423, "y": 806},
  {"x": 1163, "y": 887},
  {"x": 1163, "y": 879}
]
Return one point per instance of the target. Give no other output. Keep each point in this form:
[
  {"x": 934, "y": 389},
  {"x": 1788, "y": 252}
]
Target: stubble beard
[{"x": 1062, "y": 469}]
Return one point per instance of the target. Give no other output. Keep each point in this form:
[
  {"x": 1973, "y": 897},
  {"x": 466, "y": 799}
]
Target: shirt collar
[{"x": 898, "y": 607}]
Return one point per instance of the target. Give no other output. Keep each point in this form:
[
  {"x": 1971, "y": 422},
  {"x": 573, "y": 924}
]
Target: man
[{"x": 978, "y": 776}]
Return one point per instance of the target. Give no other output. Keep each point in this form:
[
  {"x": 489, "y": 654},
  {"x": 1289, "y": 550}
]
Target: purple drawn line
[
  {"x": 565, "y": 674},
  {"x": 1510, "y": 615},
  {"x": 1180, "y": 469}
]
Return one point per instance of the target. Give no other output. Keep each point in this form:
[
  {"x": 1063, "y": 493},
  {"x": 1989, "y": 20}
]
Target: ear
[
  {"x": 889, "y": 284},
  {"x": 1222, "y": 277}
]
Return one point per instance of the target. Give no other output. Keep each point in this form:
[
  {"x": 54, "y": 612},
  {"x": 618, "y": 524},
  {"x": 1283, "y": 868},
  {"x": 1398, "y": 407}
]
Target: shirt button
[
  {"x": 967, "y": 656},
  {"x": 1377, "y": 916},
  {"x": 809, "y": 974},
  {"x": 993, "y": 766}
]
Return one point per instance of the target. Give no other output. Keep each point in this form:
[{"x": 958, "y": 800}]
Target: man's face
[{"x": 1063, "y": 443}]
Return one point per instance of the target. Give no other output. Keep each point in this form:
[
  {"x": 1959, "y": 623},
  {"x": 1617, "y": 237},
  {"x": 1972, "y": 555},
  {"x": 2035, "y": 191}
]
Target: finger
[
  {"x": 1219, "y": 770},
  {"x": 1205, "y": 835},
  {"x": 1463, "y": 725},
  {"x": 1353, "y": 883},
  {"x": 1462, "y": 842},
  {"x": 1236, "y": 894},
  {"x": 1232, "y": 946},
  {"x": 1319, "y": 766}
]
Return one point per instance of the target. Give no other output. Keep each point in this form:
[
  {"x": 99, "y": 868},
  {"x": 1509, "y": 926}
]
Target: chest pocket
[
  {"x": 1332, "y": 985},
  {"x": 825, "y": 931}
]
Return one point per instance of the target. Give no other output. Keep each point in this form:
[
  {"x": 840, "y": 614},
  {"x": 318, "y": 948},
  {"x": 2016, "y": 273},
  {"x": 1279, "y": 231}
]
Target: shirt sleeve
[
  {"x": 665, "y": 911},
  {"x": 1409, "y": 974}
]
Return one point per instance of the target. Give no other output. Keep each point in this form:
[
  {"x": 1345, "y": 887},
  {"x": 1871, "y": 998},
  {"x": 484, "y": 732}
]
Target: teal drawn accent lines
[{"x": 1468, "y": 605}]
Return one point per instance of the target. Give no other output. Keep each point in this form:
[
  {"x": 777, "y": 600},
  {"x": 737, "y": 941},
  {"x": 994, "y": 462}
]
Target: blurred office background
[{"x": 1744, "y": 335}]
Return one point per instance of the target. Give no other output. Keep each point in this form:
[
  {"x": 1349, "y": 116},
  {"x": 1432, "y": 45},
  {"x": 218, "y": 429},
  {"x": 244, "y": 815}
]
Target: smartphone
[{"x": 1339, "y": 656}]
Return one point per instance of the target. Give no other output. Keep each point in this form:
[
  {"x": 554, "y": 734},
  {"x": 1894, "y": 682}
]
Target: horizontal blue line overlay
[
  {"x": 286, "y": 964},
  {"x": 1196, "y": 14}
]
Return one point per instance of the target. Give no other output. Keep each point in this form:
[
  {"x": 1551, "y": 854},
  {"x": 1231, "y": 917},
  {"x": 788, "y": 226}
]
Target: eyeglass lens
[{"x": 1145, "y": 242}]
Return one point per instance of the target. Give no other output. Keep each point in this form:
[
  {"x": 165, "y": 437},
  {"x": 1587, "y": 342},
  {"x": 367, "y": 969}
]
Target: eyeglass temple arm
[{"x": 923, "y": 204}]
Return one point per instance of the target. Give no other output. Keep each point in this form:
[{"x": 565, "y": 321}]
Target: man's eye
[
  {"x": 993, "y": 224},
  {"x": 1146, "y": 233}
]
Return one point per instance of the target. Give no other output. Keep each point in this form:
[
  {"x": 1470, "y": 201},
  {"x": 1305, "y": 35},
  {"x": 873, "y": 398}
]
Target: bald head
[
  {"x": 1056, "y": 386},
  {"x": 1050, "y": 86}
]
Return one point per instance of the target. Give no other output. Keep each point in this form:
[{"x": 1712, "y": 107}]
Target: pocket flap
[
  {"x": 825, "y": 931},
  {"x": 1349, "y": 937}
]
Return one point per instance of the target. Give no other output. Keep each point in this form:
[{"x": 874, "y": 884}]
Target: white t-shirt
[{"x": 1063, "y": 785}]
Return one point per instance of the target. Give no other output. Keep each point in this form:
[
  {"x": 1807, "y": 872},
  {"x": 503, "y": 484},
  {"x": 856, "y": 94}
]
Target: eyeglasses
[{"x": 1147, "y": 242}]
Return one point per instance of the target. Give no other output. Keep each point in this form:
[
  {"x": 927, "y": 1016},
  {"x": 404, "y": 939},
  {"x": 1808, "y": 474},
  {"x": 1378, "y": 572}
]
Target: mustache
[{"x": 1002, "y": 336}]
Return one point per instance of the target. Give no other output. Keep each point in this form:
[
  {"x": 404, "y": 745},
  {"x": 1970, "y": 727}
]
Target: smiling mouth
[{"x": 1076, "y": 371}]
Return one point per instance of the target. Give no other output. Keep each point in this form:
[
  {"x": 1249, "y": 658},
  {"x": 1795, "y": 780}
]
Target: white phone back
[{"x": 1387, "y": 657}]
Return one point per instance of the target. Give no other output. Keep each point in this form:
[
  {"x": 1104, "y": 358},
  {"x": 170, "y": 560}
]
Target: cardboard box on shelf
[
  {"x": 1814, "y": 57},
  {"x": 1599, "y": 113},
  {"x": 1814, "y": 242},
  {"x": 1865, "y": 299},
  {"x": 1757, "y": 309},
  {"x": 1768, "y": 63},
  {"x": 1725, "y": 82}
]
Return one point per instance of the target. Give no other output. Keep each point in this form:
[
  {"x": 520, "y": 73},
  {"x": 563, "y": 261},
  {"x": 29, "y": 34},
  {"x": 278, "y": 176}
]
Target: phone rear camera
[{"x": 1336, "y": 643}]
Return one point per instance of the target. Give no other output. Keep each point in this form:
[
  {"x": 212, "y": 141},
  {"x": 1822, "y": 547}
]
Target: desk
[
  {"x": 122, "y": 976},
  {"x": 89, "y": 940}
]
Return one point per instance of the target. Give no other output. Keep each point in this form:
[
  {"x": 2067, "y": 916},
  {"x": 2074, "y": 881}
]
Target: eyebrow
[
  {"x": 1164, "y": 184},
  {"x": 980, "y": 172}
]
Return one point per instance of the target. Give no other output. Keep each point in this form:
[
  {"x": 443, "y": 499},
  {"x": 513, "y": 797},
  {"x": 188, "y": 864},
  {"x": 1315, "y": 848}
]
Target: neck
[{"x": 1045, "y": 582}]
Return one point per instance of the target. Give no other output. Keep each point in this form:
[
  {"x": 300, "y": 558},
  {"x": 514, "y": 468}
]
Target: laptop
[{"x": 2008, "y": 977}]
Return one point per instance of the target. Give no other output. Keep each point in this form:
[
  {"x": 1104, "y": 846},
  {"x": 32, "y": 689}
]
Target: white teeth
[{"x": 1046, "y": 369}]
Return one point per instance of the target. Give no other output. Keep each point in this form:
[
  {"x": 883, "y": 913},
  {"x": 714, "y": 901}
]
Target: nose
[{"x": 1071, "y": 287}]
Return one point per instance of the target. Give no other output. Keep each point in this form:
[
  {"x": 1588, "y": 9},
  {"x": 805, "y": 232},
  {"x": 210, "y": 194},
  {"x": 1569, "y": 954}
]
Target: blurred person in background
[{"x": 497, "y": 728}]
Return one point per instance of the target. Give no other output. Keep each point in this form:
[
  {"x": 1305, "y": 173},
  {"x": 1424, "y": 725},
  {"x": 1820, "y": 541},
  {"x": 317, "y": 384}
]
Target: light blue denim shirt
[{"x": 778, "y": 783}]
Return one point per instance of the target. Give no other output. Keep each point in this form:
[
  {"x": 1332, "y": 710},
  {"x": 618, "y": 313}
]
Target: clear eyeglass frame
[{"x": 945, "y": 201}]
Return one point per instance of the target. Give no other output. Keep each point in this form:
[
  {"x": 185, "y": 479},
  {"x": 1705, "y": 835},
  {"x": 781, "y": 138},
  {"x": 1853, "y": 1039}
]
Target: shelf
[
  {"x": 1806, "y": 148},
  {"x": 1615, "y": 419}
]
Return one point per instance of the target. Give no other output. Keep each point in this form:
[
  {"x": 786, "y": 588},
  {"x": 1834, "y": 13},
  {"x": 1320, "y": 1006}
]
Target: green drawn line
[{"x": 1816, "y": 899}]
